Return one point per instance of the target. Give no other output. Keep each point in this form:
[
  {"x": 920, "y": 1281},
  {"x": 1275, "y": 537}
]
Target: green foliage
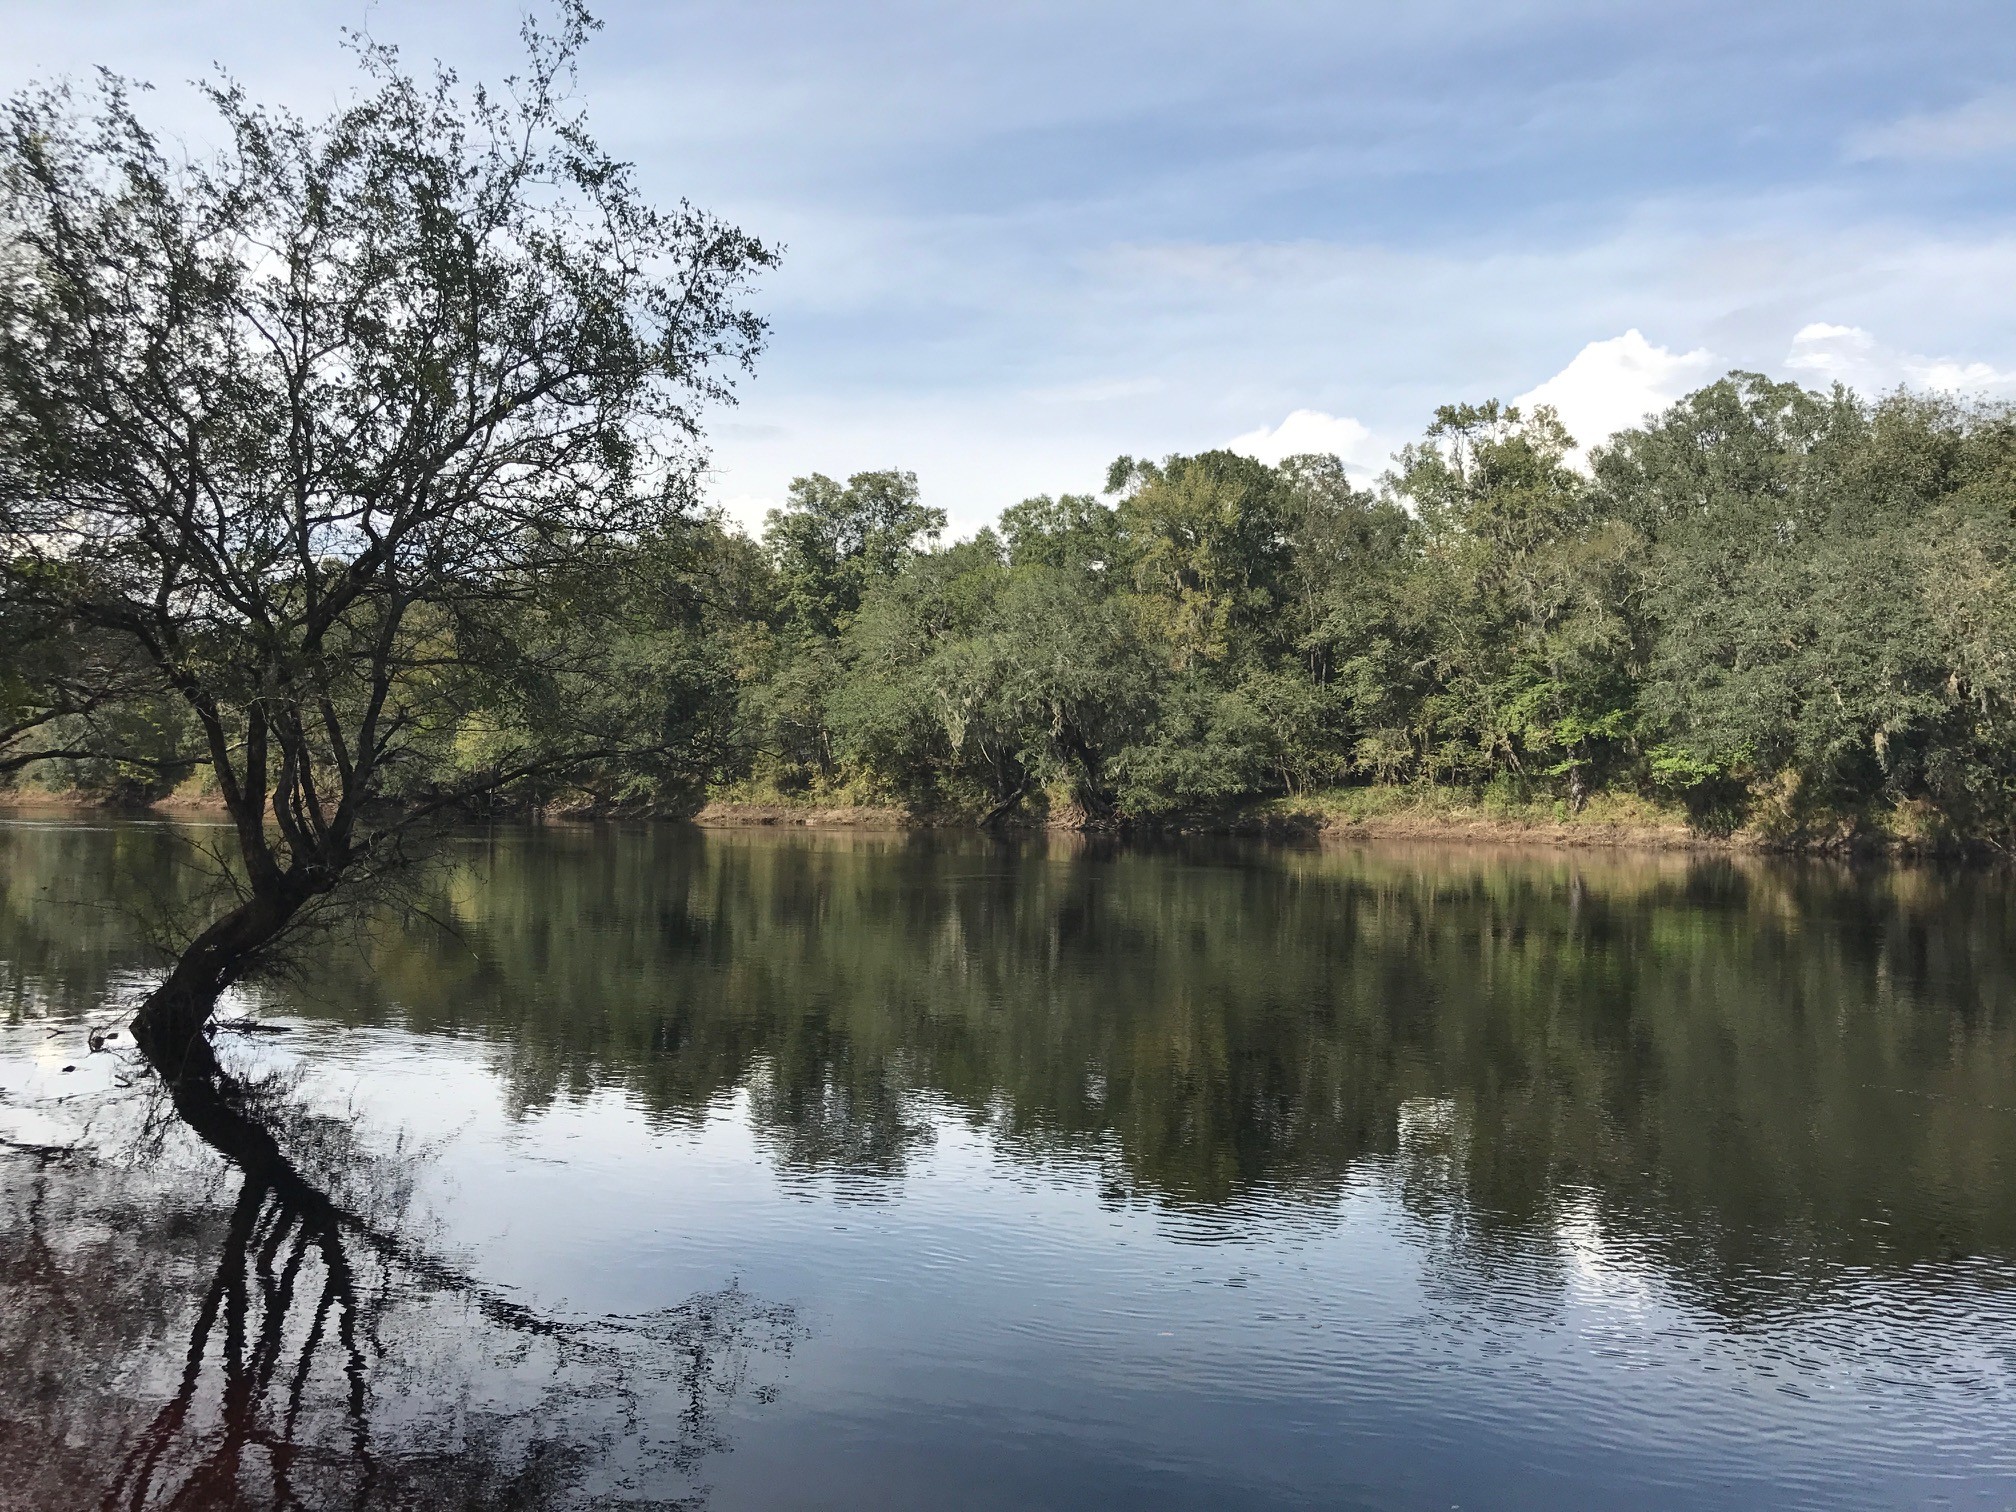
[
  {"x": 1679, "y": 769},
  {"x": 1771, "y": 603},
  {"x": 1072, "y": 531},
  {"x": 1078, "y": 678},
  {"x": 1828, "y": 589},
  {"x": 832, "y": 542},
  {"x": 1519, "y": 601},
  {"x": 922, "y": 705},
  {"x": 1203, "y": 539}
]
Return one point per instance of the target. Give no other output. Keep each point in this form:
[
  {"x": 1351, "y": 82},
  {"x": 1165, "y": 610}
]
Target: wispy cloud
[
  {"x": 1981, "y": 128},
  {"x": 1097, "y": 390}
]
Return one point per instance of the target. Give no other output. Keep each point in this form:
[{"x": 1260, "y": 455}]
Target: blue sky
[{"x": 1024, "y": 237}]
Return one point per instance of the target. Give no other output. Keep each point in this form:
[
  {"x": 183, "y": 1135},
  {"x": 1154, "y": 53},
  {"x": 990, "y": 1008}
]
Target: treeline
[
  {"x": 1778, "y": 608},
  {"x": 1769, "y": 604}
]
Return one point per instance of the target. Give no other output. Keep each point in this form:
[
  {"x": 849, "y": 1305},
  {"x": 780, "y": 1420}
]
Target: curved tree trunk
[
  {"x": 1100, "y": 811},
  {"x": 1008, "y": 802},
  {"x": 170, "y": 1025}
]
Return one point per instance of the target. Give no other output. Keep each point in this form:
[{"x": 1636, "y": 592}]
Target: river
[{"x": 766, "y": 1170}]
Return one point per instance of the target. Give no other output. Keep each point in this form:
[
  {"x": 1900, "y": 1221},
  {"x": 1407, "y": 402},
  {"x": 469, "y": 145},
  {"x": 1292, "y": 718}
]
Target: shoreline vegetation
[{"x": 1768, "y": 619}]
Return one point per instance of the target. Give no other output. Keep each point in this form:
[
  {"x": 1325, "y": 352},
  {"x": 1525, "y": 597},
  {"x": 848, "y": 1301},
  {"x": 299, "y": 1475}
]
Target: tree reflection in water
[
  {"x": 331, "y": 1359},
  {"x": 1769, "y": 1101}
]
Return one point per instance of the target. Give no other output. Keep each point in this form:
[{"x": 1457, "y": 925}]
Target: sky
[{"x": 1022, "y": 237}]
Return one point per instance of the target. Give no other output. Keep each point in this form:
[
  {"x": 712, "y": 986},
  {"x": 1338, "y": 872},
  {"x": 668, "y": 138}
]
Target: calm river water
[{"x": 842, "y": 1171}]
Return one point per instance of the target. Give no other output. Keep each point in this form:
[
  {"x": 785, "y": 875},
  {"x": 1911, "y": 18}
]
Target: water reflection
[
  {"x": 166, "y": 1343},
  {"x": 1765, "y": 1066},
  {"x": 1578, "y": 1091},
  {"x": 1762, "y": 1069}
]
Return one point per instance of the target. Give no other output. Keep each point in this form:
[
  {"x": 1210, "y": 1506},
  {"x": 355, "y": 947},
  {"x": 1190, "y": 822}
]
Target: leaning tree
[{"x": 335, "y": 432}]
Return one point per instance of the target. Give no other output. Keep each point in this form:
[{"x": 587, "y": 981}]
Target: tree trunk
[
  {"x": 170, "y": 1026},
  {"x": 1002, "y": 809},
  {"x": 1089, "y": 787}
]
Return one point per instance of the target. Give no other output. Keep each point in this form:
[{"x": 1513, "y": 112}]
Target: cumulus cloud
[
  {"x": 1825, "y": 353},
  {"x": 1306, "y": 431},
  {"x": 1984, "y": 127},
  {"x": 1612, "y": 384},
  {"x": 1952, "y": 377}
]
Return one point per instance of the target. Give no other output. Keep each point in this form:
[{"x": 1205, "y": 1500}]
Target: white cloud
[
  {"x": 1832, "y": 353},
  {"x": 747, "y": 512},
  {"x": 1826, "y": 353},
  {"x": 1950, "y": 377},
  {"x": 1312, "y": 431},
  {"x": 1985, "y": 127},
  {"x": 1821, "y": 330},
  {"x": 1616, "y": 383}
]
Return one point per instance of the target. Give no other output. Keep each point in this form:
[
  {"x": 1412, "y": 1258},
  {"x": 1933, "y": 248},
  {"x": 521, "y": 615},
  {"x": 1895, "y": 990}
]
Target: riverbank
[
  {"x": 1775, "y": 823},
  {"x": 28, "y": 802},
  {"x": 1607, "y": 821},
  {"x": 1364, "y": 813}
]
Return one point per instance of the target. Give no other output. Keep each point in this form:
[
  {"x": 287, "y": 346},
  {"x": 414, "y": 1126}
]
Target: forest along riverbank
[
  {"x": 1767, "y": 618},
  {"x": 1338, "y": 819}
]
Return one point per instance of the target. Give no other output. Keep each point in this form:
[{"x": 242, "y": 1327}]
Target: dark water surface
[{"x": 783, "y": 1171}]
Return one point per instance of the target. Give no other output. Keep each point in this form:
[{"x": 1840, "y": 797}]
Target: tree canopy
[
  {"x": 344, "y": 438},
  {"x": 1771, "y": 605},
  {"x": 1766, "y": 605}
]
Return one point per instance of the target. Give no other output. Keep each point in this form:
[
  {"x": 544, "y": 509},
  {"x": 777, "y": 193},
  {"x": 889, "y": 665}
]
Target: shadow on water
[{"x": 323, "y": 1355}]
